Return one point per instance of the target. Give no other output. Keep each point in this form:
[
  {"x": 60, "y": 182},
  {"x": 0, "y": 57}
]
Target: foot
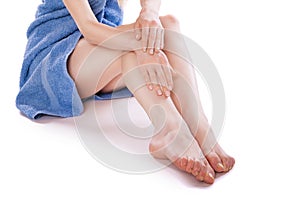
[
  {"x": 219, "y": 160},
  {"x": 216, "y": 156},
  {"x": 180, "y": 147}
]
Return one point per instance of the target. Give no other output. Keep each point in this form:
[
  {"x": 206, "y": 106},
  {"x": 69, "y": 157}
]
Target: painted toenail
[
  {"x": 211, "y": 176},
  {"x": 221, "y": 166}
]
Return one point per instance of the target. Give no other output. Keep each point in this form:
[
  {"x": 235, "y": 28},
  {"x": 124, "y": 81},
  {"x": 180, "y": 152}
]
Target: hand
[
  {"x": 157, "y": 72},
  {"x": 149, "y": 29}
]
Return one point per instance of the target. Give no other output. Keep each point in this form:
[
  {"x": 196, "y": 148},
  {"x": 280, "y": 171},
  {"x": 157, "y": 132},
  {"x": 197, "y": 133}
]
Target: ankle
[
  {"x": 165, "y": 129},
  {"x": 164, "y": 120},
  {"x": 170, "y": 124}
]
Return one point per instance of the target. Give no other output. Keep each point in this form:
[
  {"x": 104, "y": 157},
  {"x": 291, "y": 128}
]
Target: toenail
[
  {"x": 211, "y": 176},
  {"x": 221, "y": 166}
]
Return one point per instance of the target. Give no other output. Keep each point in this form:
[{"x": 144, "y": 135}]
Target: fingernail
[
  {"x": 137, "y": 36},
  {"x": 211, "y": 176},
  {"x": 159, "y": 92},
  {"x": 150, "y": 87},
  {"x": 167, "y": 93},
  {"x": 151, "y": 51},
  {"x": 144, "y": 49},
  {"x": 220, "y": 165}
]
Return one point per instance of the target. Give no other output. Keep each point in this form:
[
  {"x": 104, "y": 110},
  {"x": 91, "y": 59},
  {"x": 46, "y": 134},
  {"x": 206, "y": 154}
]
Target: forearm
[{"x": 119, "y": 38}]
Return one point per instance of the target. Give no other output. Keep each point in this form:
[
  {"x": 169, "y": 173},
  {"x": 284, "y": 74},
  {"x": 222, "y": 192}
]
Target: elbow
[
  {"x": 91, "y": 39},
  {"x": 89, "y": 34}
]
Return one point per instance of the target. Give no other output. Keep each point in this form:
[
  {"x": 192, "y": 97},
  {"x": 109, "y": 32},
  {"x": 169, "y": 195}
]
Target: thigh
[{"x": 94, "y": 68}]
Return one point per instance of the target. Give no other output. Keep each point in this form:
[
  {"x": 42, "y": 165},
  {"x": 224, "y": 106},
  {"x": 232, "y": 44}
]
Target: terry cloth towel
[{"x": 45, "y": 85}]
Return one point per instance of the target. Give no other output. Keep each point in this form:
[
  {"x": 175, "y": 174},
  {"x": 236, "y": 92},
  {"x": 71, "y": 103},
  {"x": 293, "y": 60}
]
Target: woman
[{"x": 77, "y": 49}]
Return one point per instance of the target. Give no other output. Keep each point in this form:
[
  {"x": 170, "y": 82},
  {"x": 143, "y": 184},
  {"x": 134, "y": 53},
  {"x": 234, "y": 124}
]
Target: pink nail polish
[{"x": 167, "y": 93}]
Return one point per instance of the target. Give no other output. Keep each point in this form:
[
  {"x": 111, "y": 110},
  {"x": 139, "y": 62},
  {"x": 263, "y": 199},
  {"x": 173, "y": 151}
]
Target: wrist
[
  {"x": 151, "y": 6},
  {"x": 149, "y": 10},
  {"x": 139, "y": 52}
]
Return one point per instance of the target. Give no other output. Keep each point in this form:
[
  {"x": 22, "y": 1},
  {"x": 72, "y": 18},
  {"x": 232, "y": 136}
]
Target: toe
[
  {"x": 190, "y": 165},
  {"x": 230, "y": 162},
  {"x": 201, "y": 172},
  {"x": 227, "y": 161},
  {"x": 206, "y": 173},
  {"x": 184, "y": 162},
  {"x": 209, "y": 175},
  {"x": 209, "y": 178},
  {"x": 215, "y": 161},
  {"x": 178, "y": 164},
  {"x": 181, "y": 163},
  {"x": 196, "y": 168}
]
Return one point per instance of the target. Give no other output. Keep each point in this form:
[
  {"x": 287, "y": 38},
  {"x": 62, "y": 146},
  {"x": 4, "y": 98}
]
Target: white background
[{"x": 255, "y": 46}]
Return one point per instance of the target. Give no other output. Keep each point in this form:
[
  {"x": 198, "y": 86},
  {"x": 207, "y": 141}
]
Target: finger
[
  {"x": 158, "y": 40},
  {"x": 166, "y": 91},
  {"x": 138, "y": 31},
  {"x": 169, "y": 78},
  {"x": 168, "y": 71},
  {"x": 162, "y": 42},
  {"x": 152, "y": 75},
  {"x": 146, "y": 78},
  {"x": 159, "y": 90},
  {"x": 163, "y": 82},
  {"x": 154, "y": 81},
  {"x": 161, "y": 76},
  {"x": 145, "y": 37},
  {"x": 151, "y": 41}
]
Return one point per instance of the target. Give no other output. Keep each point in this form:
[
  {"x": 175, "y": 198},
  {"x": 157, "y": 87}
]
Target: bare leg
[
  {"x": 188, "y": 102},
  {"x": 173, "y": 139},
  {"x": 92, "y": 70}
]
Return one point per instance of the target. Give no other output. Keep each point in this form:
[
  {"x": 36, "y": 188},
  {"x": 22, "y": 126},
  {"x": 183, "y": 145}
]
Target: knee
[
  {"x": 128, "y": 61},
  {"x": 169, "y": 21}
]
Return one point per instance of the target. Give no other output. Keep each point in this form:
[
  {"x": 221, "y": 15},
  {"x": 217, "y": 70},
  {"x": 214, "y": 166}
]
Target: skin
[{"x": 163, "y": 83}]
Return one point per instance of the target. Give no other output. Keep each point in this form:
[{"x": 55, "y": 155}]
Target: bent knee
[
  {"x": 129, "y": 61},
  {"x": 169, "y": 21}
]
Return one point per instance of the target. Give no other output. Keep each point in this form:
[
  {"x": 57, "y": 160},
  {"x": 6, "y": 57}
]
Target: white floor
[{"x": 256, "y": 47}]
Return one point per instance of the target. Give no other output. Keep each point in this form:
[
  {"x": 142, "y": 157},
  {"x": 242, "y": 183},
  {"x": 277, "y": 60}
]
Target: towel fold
[{"x": 45, "y": 85}]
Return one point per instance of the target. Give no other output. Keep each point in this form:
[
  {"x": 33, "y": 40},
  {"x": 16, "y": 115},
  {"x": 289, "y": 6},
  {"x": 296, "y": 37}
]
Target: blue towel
[{"x": 45, "y": 85}]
